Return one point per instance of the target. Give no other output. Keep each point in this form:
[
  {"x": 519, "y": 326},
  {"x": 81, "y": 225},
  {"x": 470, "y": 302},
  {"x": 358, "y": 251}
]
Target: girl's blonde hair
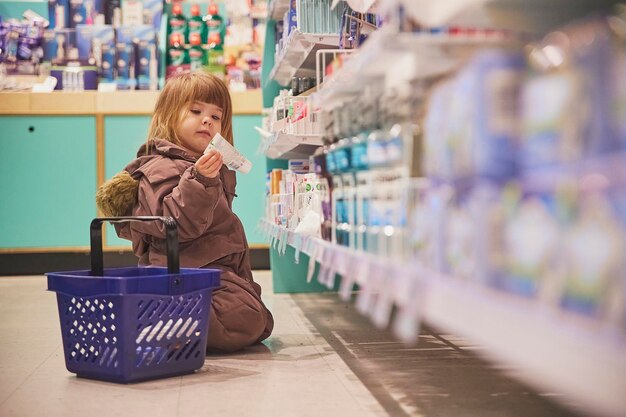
[{"x": 178, "y": 94}]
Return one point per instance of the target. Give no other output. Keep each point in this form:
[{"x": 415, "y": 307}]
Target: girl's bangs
[{"x": 207, "y": 93}]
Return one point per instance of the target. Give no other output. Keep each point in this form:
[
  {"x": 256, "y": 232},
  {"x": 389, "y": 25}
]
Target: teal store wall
[
  {"x": 49, "y": 170},
  {"x": 124, "y": 135}
]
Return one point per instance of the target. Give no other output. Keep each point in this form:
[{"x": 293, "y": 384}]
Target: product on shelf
[
  {"x": 215, "y": 25},
  {"x": 196, "y": 24},
  {"x": 177, "y": 55},
  {"x": 197, "y": 54},
  {"x": 215, "y": 55},
  {"x": 568, "y": 98},
  {"x": 177, "y": 22}
]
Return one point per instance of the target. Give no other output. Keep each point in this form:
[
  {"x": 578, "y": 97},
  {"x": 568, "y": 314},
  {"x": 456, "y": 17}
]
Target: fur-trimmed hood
[{"x": 118, "y": 195}]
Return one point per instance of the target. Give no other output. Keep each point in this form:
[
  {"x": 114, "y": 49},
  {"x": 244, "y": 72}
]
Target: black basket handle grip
[{"x": 171, "y": 241}]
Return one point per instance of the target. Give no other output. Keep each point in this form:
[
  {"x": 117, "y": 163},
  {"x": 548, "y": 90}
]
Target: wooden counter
[{"x": 93, "y": 102}]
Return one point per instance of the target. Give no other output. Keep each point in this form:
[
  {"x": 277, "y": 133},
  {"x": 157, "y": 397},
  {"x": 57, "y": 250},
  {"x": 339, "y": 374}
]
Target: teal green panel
[
  {"x": 48, "y": 167},
  {"x": 276, "y": 164},
  {"x": 290, "y": 277},
  {"x": 14, "y": 9},
  {"x": 122, "y": 137},
  {"x": 270, "y": 88},
  {"x": 249, "y": 204}
]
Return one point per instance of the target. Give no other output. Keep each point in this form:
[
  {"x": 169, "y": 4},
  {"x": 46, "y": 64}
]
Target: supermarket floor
[{"x": 323, "y": 359}]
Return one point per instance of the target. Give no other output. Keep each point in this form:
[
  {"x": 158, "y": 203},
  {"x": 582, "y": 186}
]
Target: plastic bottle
[
  {"x": 215, "y": 55},
  {"x": 177, "y": 22},
  {"x": 176, "y": 54},
  {"x": 113, "y": 14},
  {"x": 215, "y": 24},
  {"x": 197, "y": 54},
  {"x": 196, "y": 24}
]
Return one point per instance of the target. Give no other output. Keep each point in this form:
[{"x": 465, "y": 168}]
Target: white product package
[{"x": 233, "y": 159}]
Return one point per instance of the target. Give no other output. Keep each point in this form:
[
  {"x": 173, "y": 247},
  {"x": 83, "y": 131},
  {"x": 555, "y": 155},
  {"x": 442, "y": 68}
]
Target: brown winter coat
[{"x": 210, "y": 234}]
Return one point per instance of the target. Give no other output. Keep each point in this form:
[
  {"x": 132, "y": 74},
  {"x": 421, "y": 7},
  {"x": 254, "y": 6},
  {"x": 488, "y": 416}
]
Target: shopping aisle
[{"x": 323, "y": 359}]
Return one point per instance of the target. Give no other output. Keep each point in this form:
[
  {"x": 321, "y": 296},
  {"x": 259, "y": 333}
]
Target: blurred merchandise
[{"x": 130, "y": 49}]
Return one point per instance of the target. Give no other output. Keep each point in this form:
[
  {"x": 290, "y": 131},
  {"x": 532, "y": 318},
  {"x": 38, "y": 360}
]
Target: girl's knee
[{"x": 236, "y": 327}]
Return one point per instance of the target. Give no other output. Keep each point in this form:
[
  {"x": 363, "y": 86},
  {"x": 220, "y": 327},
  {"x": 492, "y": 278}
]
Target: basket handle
[{"x": 171, "y": 241}]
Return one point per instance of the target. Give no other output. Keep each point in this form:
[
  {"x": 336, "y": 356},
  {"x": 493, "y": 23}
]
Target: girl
[{"x": 172, "y": 177}]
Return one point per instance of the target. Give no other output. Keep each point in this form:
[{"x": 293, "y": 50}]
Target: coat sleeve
[{"x": 190, "y": 199}]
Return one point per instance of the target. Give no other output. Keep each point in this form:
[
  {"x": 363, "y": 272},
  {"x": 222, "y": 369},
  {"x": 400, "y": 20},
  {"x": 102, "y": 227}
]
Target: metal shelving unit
[
  {"x": 546, "y": 347},
  {"x": 287, "y": 146},
  {"x": 423, "y": 56},
  {"x": 277, "y": 8},
  {"x": 298, "y": 55}
]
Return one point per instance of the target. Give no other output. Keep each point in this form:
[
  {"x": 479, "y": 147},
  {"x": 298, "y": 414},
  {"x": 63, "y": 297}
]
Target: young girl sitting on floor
[{"x": 172, "y": 177}]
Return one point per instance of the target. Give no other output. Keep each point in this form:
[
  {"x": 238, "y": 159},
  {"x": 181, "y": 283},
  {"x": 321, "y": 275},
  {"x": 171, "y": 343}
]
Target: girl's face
[{"x": 198, "y": 125}]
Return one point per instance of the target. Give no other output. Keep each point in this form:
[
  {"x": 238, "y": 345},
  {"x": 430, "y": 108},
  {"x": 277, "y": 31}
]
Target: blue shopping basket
[{"x": 136, "y": 323}]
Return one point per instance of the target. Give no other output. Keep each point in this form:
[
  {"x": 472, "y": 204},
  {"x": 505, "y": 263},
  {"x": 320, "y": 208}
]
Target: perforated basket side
[
  {"x": 92, "y": 334},
  {"x": 134, "y": 337},
  {"x": 170, "y": 333}
]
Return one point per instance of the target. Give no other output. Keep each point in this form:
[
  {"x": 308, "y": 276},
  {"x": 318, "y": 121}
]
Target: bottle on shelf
[
  {"x": 177, "y": 56},
  {"x": 215, "y": 55},
  {"x": 113, "y": 14},
  {"x": 197, "y": 54},
  {"x": 195, "y": 24},
  {"x": 177, "y": 22},
  {"x": 215, "y": 24}
]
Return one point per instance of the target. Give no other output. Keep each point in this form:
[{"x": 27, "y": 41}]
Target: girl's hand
[{"x": 209, "y": 164}]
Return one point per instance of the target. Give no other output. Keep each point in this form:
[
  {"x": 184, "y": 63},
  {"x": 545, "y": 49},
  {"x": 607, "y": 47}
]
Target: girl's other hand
[{"x": 209, "y": 164}]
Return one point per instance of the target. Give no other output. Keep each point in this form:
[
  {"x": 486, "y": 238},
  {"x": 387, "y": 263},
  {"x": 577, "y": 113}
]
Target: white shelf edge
[
  {"x": 277, "y": 8},
  {"x": 553, "y": 351},
  {"x": 298, "y": 46},
  {"x": 383, "y": 46},
  {"x": 281, "y": 144}
]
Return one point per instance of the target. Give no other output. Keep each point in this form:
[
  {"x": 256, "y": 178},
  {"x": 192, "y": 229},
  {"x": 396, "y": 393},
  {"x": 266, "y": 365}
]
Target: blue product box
[
  {"x": 146, "y": 59},
  {"x": 107, "y": 69},
  {"x": 125, "y": 63},
  {"x": 49, "y": 46},
  {"x": 495, "y": 78},
  {"x": 88, "y": 37},
  {"x": 459, "y": 233},
  {"x": 78, "y": 12},
  {"x": 152, "y": 13},
  {"x": 292, "y": 17},
  {"x": 594, "y": 243},
  {"x": 73, "y": 78},
  {"x": 530, "y": 233},
  {"x": 58, "y": 44},
  {"x": 58, "y": 14}
]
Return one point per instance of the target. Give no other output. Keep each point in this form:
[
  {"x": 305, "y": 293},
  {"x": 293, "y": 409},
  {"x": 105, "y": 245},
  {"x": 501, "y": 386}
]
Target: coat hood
[{"x": 118, "y": 195}]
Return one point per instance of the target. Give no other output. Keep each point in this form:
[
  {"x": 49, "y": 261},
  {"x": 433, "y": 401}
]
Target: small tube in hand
[{"x": 233, "y": 159}]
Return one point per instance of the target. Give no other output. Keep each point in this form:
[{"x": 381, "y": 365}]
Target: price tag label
[
  {"x": 297, "y": 245},
  {"x": 284, "y": 242},
  {"x": 276, "y": 236},
  {"x": 306, "y": 245},
  {"x": 313, "y": 256},
  {"x": 327, "y": 270},
  {"x": 348, "y": 277},
  {"x": 270, "y": 234},
  {"x": 365, "y": 294},
  {"x": 385, "y": 286}
]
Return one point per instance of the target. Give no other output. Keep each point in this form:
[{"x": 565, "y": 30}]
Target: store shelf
[
  {"x": 550, "y": 349},
  {"x": 286, "y": 146},
  {"x": 299, "y": 54},
  {"x": 429, "y": 55},
  {"x": 534, "y": 16},
  {"x": 94, "y": 102},
  {"x": 277, "y": 8}
]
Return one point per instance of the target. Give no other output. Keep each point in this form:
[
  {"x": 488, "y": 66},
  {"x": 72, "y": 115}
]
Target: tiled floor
[{"x": 322, "y": 360}]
